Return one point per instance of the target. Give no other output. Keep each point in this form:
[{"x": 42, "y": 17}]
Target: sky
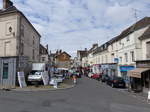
[{"x": 73, "y": 25}]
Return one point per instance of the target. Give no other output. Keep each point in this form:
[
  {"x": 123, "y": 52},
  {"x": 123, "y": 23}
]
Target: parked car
[
  {"x": 104, "y": 78},
  {"x": 90, "y": 74},
  {"x": 96, "y": 76},
  {"x": 35, "y": 76},
  {"x": 116, "y": 82}
]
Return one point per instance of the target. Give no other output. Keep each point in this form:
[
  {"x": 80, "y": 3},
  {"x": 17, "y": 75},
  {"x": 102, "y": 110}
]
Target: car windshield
[{"x": 36, "y": 72}]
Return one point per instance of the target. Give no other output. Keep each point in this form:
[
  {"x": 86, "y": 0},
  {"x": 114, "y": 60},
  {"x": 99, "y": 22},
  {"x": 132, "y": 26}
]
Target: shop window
[
  {"x": 5, "y": 70},
  {"x": 120, "y": 59}
]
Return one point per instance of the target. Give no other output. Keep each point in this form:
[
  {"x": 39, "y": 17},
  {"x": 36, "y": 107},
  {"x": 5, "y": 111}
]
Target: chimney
[
  {"x": 47, "y": 47},
  {"x": 7, "y": 4},
  {"x": 95, "y": 45},
  {"x": 85, "y": 49}
]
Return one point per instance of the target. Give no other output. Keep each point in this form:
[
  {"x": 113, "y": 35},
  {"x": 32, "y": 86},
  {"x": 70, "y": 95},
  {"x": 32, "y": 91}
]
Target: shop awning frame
[{"x": 137, "y": 73}]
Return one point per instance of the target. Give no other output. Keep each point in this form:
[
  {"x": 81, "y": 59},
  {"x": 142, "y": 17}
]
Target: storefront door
[{"x": 8, "y": 72}]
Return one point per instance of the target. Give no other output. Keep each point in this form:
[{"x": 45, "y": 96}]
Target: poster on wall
[{"x": 21, "y": 79}]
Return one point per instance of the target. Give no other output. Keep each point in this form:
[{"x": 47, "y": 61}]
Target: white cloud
[{"x": 75, "y": 24}]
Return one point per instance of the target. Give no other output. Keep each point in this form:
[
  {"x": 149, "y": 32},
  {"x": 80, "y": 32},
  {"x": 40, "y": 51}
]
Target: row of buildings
[
  {"x": 20, "y": 46},
  {"x": 126, "y": 55}
]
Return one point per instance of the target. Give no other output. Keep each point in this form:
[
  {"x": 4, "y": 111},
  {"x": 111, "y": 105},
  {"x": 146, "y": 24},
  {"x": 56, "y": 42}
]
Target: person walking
[{"x": 74, "y": 79}]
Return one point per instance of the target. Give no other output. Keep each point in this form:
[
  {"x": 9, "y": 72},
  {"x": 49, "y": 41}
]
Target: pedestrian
[{"x": 74, "y": 79}]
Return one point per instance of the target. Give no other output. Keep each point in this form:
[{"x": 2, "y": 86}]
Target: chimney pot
[{"x": 7, "y": 4}]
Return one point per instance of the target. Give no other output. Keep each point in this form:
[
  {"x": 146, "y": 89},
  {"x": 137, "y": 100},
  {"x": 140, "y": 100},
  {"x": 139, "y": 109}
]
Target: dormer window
[{"x": 128, "y": 39}]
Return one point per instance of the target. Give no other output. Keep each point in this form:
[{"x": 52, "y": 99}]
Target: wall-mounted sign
[
  {"x": 116, "y": 60},
  {"x": 126, "y": 68}
]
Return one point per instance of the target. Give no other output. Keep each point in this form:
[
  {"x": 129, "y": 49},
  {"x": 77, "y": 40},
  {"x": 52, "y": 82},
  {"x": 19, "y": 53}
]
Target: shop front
[
  {"x": 124, "y": 69},
  {"x": 140, "y": 77},
  {"x": 109, "y": 69}
]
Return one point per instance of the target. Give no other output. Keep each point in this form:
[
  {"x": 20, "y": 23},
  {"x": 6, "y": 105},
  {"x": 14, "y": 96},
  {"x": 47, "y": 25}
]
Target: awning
[{"x": 137, "y": 72}]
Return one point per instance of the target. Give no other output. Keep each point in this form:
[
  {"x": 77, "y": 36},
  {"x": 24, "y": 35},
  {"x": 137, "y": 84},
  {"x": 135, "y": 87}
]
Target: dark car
[
  {"x": 104, "y": 78},
  {"x": 116, "y": 82}
]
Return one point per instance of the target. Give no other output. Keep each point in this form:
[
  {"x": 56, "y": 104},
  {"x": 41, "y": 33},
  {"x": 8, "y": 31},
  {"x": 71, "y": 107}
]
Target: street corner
[{"x": 67, "y": 84}]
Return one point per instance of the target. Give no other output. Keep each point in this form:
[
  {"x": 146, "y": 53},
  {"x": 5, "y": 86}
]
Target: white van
[{"x": 37, "y": 70}]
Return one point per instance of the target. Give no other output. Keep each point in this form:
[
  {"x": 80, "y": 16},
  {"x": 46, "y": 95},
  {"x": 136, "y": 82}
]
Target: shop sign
[
  {"x": 116, "y": 60},
  {"x": 104, "y": 66},
  {"x": 126, "y": 68},
  {"x": 143, "y": 64},
  {"x": 112, "y": 66}
]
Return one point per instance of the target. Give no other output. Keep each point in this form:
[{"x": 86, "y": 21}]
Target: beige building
[
  {"x": 18, "y": 37},
  {"x": 44, "y": 54},
  {"x": 19, "y": 43}
]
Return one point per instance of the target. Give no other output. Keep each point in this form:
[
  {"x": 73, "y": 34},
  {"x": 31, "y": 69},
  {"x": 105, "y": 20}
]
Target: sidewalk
[
  {"x": 140, "y": 96},
  {"x": 67, "y": 84}
]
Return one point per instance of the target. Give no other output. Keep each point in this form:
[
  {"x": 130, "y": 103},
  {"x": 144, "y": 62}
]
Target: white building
[{"x": 124, "y": 49}]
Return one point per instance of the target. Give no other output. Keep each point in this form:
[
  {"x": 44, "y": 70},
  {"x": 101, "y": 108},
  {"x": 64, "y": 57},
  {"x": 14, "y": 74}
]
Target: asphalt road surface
[{"x": 88, "y": 96}]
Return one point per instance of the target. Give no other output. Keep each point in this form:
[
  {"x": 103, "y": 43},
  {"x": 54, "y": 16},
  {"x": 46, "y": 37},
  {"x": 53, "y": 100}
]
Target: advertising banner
[
  {"x": 45, "y": 78},
  {"x": 21, "y": 79}
]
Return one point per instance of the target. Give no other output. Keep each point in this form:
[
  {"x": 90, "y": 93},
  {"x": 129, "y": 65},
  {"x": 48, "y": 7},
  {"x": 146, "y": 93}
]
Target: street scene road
[{"x": 87, "y": 96}]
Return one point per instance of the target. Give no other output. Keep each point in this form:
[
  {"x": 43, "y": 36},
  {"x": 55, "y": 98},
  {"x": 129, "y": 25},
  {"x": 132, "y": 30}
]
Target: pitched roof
[
  {"x": 13, "y": 9},
  {"x": 82, "y": 53},
  {"x": 138, "y": 25},
  {"x": 63, "y": 53},
  {"x": 146, "y": 34}
]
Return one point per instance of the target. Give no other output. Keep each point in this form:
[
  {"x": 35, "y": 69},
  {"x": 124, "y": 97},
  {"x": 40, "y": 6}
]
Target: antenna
[
  {"x": 135, "y": 14},
  {"x": 136, "y": 18}
]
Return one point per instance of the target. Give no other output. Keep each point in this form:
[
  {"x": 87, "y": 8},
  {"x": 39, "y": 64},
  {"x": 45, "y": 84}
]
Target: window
[
  {"x": 33, "y": 40},
  {"x": 106, "y": 58},
  {"x": 10, "y": 29},
  {"x": 22, "y": 30},
  {"x": 7, "y": 48},
  {"x": 43, "y": 59},
  {"x": 148, "y": 50},
  {"x": 128, "y": 38},
  {"x": 132, "y": 56},
  {"x": 22, "y": 48},
  {"x": 112, "y": 46},
  {"x": 120, "y": 59},
  {"x": 33, "y": 55},
  {"x": 126, "y": 57},
  {"x": 5, "y": 70},
  {"x": 120, "y": 42}
]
